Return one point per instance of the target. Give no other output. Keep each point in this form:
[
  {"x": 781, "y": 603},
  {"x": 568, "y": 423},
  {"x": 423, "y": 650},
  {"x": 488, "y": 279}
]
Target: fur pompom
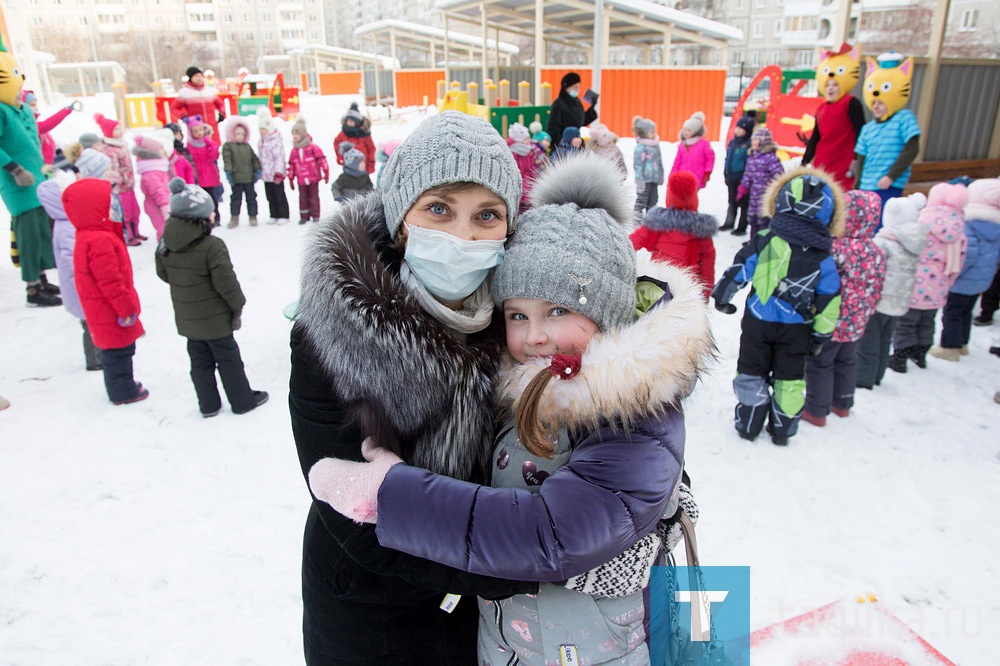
[{"x": 586, "y": 181}]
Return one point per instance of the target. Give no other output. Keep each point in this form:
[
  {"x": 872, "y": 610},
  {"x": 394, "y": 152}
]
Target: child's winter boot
[
  {"x": 47, "y": 286},
  {"x": 37, "y": 296},
  {"x": 234, "y": 222},
  {"x": 809, "y": 417},
  {"x": 919, "y": 355},
  {"x": 253, "y": 220},
  {"x": 897, "y": 362},
  {"x": 946, "y": 353},
  {"x": 841, "y": 412}
]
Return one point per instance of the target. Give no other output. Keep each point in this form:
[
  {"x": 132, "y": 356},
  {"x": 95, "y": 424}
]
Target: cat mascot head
[
  {"x": 11, "y": 78},
  {"x": 888, "y": 81},
  {"x": 842, "y": 66}
]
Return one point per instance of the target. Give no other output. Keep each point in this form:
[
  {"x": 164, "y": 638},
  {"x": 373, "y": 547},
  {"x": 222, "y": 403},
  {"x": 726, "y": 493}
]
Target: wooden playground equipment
[{"x": 496, "y": 106}]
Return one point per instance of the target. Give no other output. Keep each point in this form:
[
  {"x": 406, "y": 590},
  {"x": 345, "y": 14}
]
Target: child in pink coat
[
  {"x": 939, "y": 267},
  {"x": 306, "y": 167},
  {"x": 205, "y": 153},
  {"x": 122, "y": 175},
  {"x": 694, "y": 152},
  {"x": 529, "y": 157},
  {"x": 153, "y": 164}
]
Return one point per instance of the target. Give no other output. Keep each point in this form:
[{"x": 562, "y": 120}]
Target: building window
[
  {"x": 758, "y": 29},
  {"x": 777, "y": 27},
  {"x": 178, "y": 20},
  {"x": 314, "y": 35},
  {"x": 137, "y": 20},
  {"x": 824, "y": 29},
  {"x": 250, "y": 36},
  {"x": 970, "y": 17},
  {"x": 230, "y": 37},
  {"x": 37, "y": 20},
  {"x": 246, "y": 18},
  {"x": 268, "y": 36},
  {"x": 775, "y": 57},
  {"x": 755, "y": 59},
  {"x": 804, "y": 58},
  {"x": 227, "y": 18},
  {"x": 760, "y": 4}
]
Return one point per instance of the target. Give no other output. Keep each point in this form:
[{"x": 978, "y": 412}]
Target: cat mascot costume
[
  {"x": 20, "y": 172},
  {"x": 890, "y": 141},
  {"x": 840, "y": 118}
]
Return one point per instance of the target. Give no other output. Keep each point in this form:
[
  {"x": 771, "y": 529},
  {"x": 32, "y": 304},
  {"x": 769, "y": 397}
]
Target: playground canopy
[{"x": 425, "y": 39}]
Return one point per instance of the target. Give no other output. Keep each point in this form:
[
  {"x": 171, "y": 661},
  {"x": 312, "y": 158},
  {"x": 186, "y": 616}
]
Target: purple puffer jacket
[
  {"x": 63, "y": 239},
  {"x": 861, "y": 265},
  {"x": 615, "y": 484},
  {"x": 762, "y": 168}
]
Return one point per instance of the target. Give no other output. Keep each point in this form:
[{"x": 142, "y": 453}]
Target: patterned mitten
[{"x": 351, "y": 488}]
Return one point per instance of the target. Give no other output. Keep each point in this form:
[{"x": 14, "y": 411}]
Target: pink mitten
[{"x": 351, "y": 488}]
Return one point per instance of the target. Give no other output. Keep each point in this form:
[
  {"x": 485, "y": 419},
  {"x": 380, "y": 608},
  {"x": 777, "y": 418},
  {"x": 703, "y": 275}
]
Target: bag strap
[{"x": 690, "y": 541}]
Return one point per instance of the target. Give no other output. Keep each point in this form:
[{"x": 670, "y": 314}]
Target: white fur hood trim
[{"x": 634, "y": 371}]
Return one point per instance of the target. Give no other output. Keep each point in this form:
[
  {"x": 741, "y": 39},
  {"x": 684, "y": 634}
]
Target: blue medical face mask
[
  {"x": 449, "y": 267},
  {"x": 573, "y": 93}
]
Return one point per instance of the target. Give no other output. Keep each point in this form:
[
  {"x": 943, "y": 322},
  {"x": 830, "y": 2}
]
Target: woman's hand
[{"x": 351, "y": 488}]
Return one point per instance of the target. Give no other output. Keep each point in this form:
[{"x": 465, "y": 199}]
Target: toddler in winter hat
[
  {"x": 695, "y": 125},
  {"x": 190, "y": 201},
  {"x": 984, "y": 199},
  {"x": 265, "y": 123},
  {"x": 643, "y": 128},
  {"x": 682, "y": 191},
  {"x": 746, "y": 123},
  {"x": 810, "y": 195},
  {"x": 354, "y": 159},
  {"x": 535, "y": 127},
  {"x": 764, "y": 136},
  {"x": 601, "y": 135},
  {"x": 299, "y": 127},
  {"x": 107, "y": 125},
  {"x": 353, "y": 114},
  {"x": 92, "y": 163},
  {"x": 571, "y": 247},
  {"x": 451, "y": 147},
  {"x": 903, "y": 210},
  {"x": 518, "y": 133},
  {"x": 89, "y": 140}
]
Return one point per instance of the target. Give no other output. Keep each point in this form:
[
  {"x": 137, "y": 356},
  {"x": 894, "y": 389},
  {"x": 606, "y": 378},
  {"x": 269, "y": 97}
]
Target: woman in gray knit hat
[
  {"x": 586, "y": 466},
  {"x": 393, "y": 340}
]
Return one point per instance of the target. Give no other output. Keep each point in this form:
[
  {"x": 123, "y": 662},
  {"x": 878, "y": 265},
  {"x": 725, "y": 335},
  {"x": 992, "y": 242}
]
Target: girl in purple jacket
[
  {"x": 589, "y": 455},
  {"x": 763, "y": 166}
]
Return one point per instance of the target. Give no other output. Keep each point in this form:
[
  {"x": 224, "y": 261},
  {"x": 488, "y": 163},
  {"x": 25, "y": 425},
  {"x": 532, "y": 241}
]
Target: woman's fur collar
[
  {"x": 634, "y": 371},
  {"x": 690, "y": 222},
  {"x": 410, "y": 382},
  {"x": 838, "y": 221}
]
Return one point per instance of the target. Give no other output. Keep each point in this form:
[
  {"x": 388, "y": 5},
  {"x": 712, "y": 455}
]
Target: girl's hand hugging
[{"x": 351, "y": 488}]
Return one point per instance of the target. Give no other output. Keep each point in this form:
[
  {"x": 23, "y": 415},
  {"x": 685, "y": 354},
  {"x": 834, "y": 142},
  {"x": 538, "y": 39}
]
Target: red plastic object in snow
[{"x": 844, "y": 633}]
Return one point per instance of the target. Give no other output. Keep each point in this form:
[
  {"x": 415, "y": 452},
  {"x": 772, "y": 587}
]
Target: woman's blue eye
[
  {"x": 489, "y": 215},
  {"x": 438, "y": 208}
]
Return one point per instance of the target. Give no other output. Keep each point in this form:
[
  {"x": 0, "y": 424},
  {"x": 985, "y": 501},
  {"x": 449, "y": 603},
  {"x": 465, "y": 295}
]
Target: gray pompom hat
[
  {"x": 572, "y": 246},
  {"x": 189, "y": 201},
  {"x": 451, "y": 147}
]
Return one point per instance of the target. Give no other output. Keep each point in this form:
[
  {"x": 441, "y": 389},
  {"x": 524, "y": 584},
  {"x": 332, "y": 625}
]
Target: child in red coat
[
  {"x": 357, "y": 129},
  {"x": 678, "y": 233}
]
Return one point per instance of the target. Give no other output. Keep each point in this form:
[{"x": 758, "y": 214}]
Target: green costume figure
[{"x": 20, "y": 172}]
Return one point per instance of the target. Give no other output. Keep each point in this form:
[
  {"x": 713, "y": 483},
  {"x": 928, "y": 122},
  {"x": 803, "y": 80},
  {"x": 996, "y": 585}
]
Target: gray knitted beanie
[
  {"x": 189, "y": 201},
  {"x": 92, "y": 164},
  {"x": 572, "y": 247},
  {"x": 451, "y": 147}
]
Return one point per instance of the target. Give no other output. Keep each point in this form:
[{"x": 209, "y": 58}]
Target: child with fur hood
[
  {"x": 694, "y": 152},
  {"x": 529, "y": 157},
  {"x": 903, "y": 239},
  {"x": 271, "y": 153},
  {"x": 831, "y": 375},
  {"x": 242, "y": 168},
  {"x": 982, "y": 229},
  {"x": 122, "y": 174},
  {"x": 102, "y": 273},
  {"x": 939, "y": 266},
  {"x": 152, "y": 155},
  {"x": 568, "y": 291},
  {"x": 602, "y": 141},
  {"x": 793, "y": 304},
  {"x": 647, "y": 165},
  {"x": 678, "y": 234},
  {"x": 207, "y": 299},
  {"x": 306, "y": 165},
  {"x": 357, "y": 129},
  {"x": 205, "y": 154},
  {"x": 763, "y": 166}
]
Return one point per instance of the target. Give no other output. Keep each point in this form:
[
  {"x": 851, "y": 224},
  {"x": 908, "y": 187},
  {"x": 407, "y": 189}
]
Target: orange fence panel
[
  {"x": 339, "y": 83},
  {"x": 667, "y": 96},
  {"x": 415, "y": 85}
]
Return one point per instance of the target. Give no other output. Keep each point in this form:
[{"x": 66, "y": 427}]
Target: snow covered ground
[{"x": 146, "y": 534}]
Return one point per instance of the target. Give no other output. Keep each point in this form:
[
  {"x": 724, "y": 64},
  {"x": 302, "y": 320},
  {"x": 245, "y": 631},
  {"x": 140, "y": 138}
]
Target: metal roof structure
[
  {"x": 432, "y": 41},
  {"x": 592, "y": 26}
]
